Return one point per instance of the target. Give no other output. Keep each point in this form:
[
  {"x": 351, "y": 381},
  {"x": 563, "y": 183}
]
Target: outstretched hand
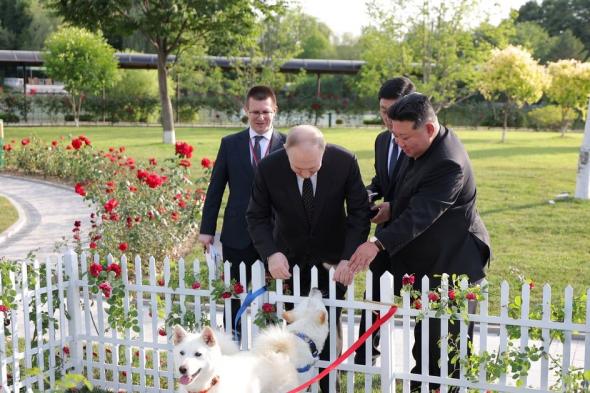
[
  {"x": 362, "y": 257},
  {"x": 278, "y": 266},
  {"x": 343, "y": 274}
]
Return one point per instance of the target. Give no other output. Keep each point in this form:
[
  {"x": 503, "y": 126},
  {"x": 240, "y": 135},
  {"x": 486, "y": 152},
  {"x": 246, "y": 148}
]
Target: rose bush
[{"x": 145, "y": 209}]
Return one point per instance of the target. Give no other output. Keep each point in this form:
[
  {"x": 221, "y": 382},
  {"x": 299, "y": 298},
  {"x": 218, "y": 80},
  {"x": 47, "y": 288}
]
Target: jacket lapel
[
  {"x": 244, "y": 152},
  {"x": 276, "y": 143}
]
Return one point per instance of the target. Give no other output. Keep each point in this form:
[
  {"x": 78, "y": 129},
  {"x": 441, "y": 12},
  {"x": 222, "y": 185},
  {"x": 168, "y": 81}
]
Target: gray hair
[{"x": 307, "y": 135}]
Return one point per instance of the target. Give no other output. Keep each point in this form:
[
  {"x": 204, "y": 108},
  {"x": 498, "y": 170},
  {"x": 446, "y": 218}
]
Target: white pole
[{"x": 583, "y": 180}]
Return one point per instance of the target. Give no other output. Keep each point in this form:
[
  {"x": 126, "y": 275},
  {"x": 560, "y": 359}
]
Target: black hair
[
  {"x": 261, "y": 93},
  {"x": 415, "y": 107},
  {"x": 395, "y": 88}
]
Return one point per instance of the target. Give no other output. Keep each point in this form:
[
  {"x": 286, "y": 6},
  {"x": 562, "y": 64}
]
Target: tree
[
  {"x": 558, "y": 16},
  {"x": 83, "y": 61},
  {"x": 569, "y": 88},
  {"x": 512, "y": 75},
  {"x": 566, "y": 46},
  {"x": 171, "y": 26},
  {"x": 15, "y": 19}
]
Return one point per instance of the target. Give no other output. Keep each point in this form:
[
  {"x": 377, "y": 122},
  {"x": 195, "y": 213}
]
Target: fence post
[
  {"x": 74, "y": 306},
  {"x": 386, "y": 296}
]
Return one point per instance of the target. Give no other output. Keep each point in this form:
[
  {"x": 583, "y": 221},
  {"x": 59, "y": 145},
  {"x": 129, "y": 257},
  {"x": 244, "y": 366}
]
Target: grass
[
  {"x": 9, "y": 214},
  {"x": 545, "y": 242}
]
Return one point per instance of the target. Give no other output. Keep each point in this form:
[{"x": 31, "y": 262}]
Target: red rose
[
  {"x": 175, "y": 216},
  {"x": 206, "y": 163},
  {"x": 122, "y": 149},
  {"x": 196, "y": 285},
  {"x": 95, "y": 269},
  {"x": 433, "y": 297},
  {"x": 161, "y": 282},
  {"x": 531, "y": 284},
  {"x": 182, "y": 204},
  {"x": 268, "y": 308},
  {"x": 77, "y": 224},
  {"x": 452, "y": 294},
  {"x": 183, "y": 149},
  {"x": 111, "y": 205},
  {"x": 106, "y": 289},
  {"x": 238, "y": 288},
  {"x": 185, "y": 163},
  {"x": 84, "y": 139},
  {"x": 470, "y": 296},
  {"x": 7, "y": 147},
  {"x": 162, "y": 331},
  {"x": 92, "y": 245},
  {"x": 226, "y": 295},
  {"x": 417, "y": 304},
  {"x": 408, "y": 279},
  {"x": 153, "y": 180},
  {"x": 3, "y": 308},
  {"x": 54, "y": 143},
  {"x": 153, "y": 161},
  {"x": 123, "y": 246},
  {"x": 132, "y": 188},
  {"x": 66, "y": 350},
  {"x": 79, "y": 188},
  {"x": 142, "y": 174},
  {"x": 114, "y": 267},
  {"x": 25, "y": 141},
  {"x": 76, "y": 143}
]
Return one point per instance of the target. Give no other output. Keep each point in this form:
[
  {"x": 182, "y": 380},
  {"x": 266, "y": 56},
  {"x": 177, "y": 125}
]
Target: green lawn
[
  {"x": 8, "y": 216},
  {"x": 546, "y": 242}
]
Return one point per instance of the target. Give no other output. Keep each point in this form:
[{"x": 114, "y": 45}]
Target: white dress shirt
[
  {"x": 314, "y": 180},
  {"x": 263, "y": 142}
]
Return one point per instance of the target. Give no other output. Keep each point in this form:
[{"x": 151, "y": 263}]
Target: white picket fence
[{"x": 54, "y": 298}]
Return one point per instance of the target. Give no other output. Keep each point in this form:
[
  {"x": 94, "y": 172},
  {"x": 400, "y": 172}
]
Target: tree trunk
[
  {"x": 505, "y": 129},
  {"x": 166, "y": 114},
  {"x": 75, "y": 110},
  {"x": 583, "y": 177}
]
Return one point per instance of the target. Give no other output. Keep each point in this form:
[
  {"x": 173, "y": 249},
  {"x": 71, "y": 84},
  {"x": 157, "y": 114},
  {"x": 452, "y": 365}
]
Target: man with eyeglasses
[{"x": 237, "y": 159}]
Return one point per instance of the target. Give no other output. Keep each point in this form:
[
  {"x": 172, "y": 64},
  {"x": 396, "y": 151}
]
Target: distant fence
[{"x": 60, "y": 321}]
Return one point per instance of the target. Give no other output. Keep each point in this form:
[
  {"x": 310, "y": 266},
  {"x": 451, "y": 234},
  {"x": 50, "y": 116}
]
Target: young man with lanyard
[{"x": 237, "y": 159}]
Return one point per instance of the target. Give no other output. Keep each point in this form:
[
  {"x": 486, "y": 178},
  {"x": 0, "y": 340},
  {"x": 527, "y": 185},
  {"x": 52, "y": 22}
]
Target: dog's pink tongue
[{"x": 185, "y": 380}]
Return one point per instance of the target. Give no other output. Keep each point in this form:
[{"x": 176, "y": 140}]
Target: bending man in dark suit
[
  {"x": 237, "y": 159},
  {"x": 320, "y": 212},
  {"x": 434, "y": 227},
  {"x": 388, "y": 157}
]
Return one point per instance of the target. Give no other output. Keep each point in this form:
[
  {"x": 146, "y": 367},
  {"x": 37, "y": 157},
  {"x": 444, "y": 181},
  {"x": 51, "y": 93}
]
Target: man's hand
[
  {"x": 343, "y": 274},
  {"x": 278, "y": 266},
  {"x": 362, "y": 257},
  {"x": 384, "y": 213},
  {"x": 206, "y": 241}
]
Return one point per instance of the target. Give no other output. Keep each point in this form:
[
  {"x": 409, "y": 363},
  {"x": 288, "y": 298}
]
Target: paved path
[{"x": 47, "y": 213}]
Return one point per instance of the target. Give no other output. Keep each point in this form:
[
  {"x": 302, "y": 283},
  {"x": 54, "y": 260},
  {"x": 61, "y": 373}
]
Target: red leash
[{"x": 349, "y": 351}]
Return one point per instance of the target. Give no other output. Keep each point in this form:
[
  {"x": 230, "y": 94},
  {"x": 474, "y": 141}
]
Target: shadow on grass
[{"x": 504, "y": 152}]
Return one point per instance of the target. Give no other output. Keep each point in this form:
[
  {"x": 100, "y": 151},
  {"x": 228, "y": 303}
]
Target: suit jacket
[
  {"x": 381, "y": 183},
  {"x": 233, "y": 167},
  {"x": 333, "y": 234},
  {"x": 435, "y": 227}
]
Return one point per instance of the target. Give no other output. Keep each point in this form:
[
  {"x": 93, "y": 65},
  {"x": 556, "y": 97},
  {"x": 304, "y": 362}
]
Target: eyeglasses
[{"x": 261, "y": 113}]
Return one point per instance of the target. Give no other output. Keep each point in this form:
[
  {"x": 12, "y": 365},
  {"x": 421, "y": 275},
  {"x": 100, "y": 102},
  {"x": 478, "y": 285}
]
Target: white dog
[
  {"x": 205, "y": 368},
  {"x": 280, "y": 360},
  {"x": 295, "y": 347}
]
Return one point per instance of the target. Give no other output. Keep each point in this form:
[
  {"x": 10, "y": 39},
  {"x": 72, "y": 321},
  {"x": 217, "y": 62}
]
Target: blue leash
[{"x": 247, "y": 301}]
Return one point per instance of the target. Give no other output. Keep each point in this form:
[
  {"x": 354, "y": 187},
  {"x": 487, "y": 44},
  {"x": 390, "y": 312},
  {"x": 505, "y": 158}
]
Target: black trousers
[
  {"x": 235, "y": 256},
  {"x": 323, "y": 285},
  {"x": 381, "y": 264}
]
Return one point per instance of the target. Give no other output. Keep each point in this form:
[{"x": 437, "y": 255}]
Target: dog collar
[
  {"x": 214, "y": 382},
  {"x": 312, "y": 348}
]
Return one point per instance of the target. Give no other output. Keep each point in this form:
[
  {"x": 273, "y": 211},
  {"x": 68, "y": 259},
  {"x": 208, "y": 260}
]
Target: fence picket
[
  {"x": 386, "y": 295},
  {"x": 168, "y": 372},
  {"x": 39, "y": 324},
  {"x": 140, "y": 352},
  {"x": 243, "y": 280},
  {"x": 483, "y": 327},
  {"x": 463, "y": 335},
  {"x": 4, "y": 317},
  {"x": 587, "y": 341},
  {"x": 154, "y": 317},
  {"x": 546, "y": 336},
  {"x": 26, "y": 321},
  {"x": 350, "y": 336},
  {"x": 524, "y": 331},
  {"x": 425, "y": 331},
  {"x": 444, "y": 333},
  {"x": 567, "y": 320}
]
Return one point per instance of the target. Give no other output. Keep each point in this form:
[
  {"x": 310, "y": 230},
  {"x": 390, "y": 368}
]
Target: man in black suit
[
  {"x": 237, "y": 159},
  {"x": 434, "y": 226},
  {"x": 388, "y": 157},
  {"x": 306, "y": 188}
]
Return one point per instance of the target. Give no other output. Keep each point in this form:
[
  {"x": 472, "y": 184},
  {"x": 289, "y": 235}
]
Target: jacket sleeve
[
  {"x": 259, "y": 217},
  {"x": 375, "y": 185},
  {"x": 357, "y": 211},
  {"x": 437, "y": 192},
  {"x": 219, "y": 179}
]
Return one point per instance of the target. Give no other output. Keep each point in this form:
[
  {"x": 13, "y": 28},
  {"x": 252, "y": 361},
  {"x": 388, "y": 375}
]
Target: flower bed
[{"x": 147, "y": 209}]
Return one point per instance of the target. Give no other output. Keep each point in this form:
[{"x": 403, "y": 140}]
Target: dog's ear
[
  {"x": 179, "y": 334},
  {"x": 288, "y": 317},
  {"x": 322, "y": 317},
  {"x": 208, "y": 336}
]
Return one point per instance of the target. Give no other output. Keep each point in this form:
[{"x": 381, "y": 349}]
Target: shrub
[
  {"x": 339, "y": 121},
  {"x": 372, "y": 121},
  {"x": 548, "y": 117},
  {"x": 146, "y": 209},
  {"x": 9, "y": 117}
]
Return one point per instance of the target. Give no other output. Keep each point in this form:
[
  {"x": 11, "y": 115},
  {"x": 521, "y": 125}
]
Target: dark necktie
[
  {"x": 392, "y": 160},
  {"x": 257, "y": 150},
  {"x": 307, "y": 195}
]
